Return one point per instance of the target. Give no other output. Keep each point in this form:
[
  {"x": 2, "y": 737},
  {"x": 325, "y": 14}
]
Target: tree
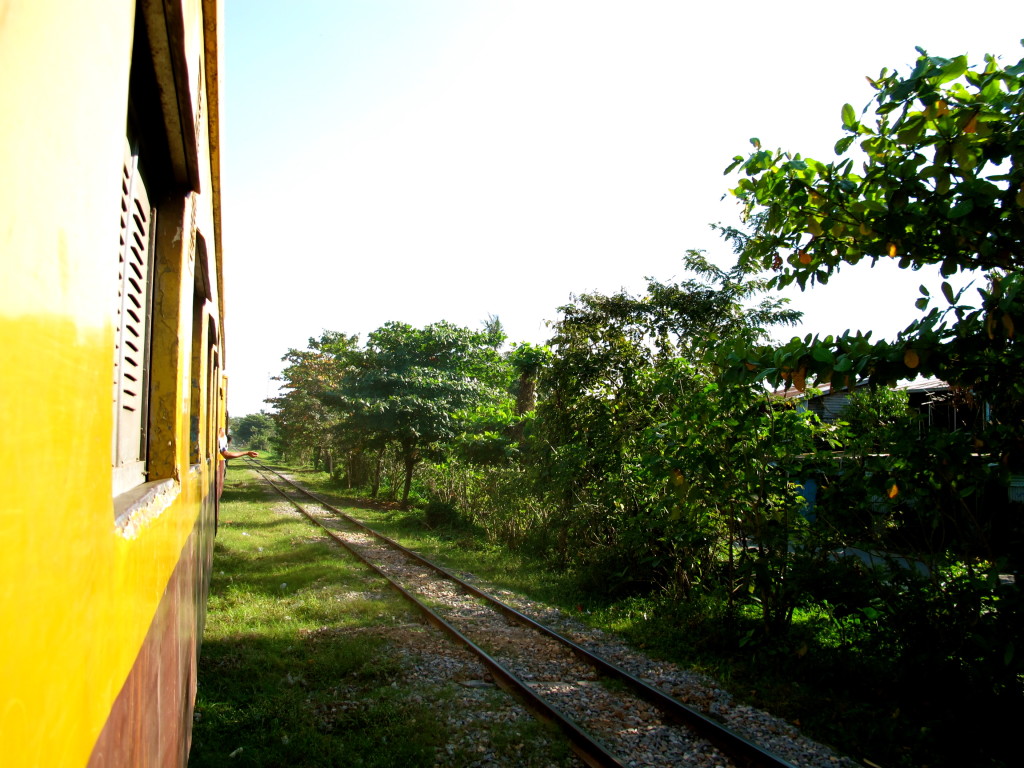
[
  {"x": 939, "y": 180},
  {"x": 941, "y": 183},
  {"x": 419, "y": 387},
  {"x": 613, "y": 378},
  {"x": 254, "y": 430},
  {"x": 305, "y": 425},
  {"x": 528, "y": 360}
]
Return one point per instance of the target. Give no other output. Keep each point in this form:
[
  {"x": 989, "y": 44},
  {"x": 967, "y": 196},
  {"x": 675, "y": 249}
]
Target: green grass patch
[
  {"x": 289, "y": 674},
  {"x": 301, "y": 664}
]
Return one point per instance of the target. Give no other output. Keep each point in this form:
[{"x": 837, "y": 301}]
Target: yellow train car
[{"x": 111, "y": 377}]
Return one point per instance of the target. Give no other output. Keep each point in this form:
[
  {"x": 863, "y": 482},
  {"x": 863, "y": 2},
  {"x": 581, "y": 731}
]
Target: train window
[
  {"x": 201, "y": 293},
  {"x": 157, "y": 186},
  {"x": 195, "y": 382},
  {"x": 213, "y": 398},
  {"x": 131, "y": 346}
]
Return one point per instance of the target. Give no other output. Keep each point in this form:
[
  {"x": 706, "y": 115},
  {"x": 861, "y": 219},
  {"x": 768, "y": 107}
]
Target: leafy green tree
[
  {"x": 604, "y": 387},
  {"x": 528, "y": 360},
  {"x": 940, "y": 182},
  {"x": 306, "y": 427},
  {"x": 419, "y": 388},
  {"x": 930, "y": 174},
  {"x": 255, "y": 430}
]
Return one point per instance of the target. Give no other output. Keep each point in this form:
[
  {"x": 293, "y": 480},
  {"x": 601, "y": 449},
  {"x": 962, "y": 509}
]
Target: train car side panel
[{"x": 102, "y": 592}]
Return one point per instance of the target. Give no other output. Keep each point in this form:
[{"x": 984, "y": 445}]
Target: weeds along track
[{"x": 611, "y": 717}]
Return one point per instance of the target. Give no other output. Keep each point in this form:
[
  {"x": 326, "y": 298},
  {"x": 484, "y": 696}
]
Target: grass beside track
[
  {"x": 268, "y": 680},
  {"x": 297, "y": 665}
]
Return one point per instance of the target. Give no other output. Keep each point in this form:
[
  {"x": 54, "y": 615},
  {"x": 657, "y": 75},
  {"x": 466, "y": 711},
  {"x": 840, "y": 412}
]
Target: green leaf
[
  {"x": 870, "y": 613},
  {"x": 947, "y": 291},
  {"x": 849, "y": 117},
  {"x": 954, "y": 69},
  {"x": 903, "y": 90},
  {"x": 912, "y": 130},
  {"x": 844, "y": 144},
  {"x": 961, "y": 209},
  {"x": 962, "y": 155},
  {"x": 822, "y": 354}
]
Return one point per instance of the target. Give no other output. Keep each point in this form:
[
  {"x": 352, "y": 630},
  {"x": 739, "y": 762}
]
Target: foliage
[
  {"x": 496, "y": 500},
  {"x": 880, "y": 416},
  {"x": 940, "y": 183},
  {"x": 306, "y": 427},
  {"x": 737, "y": 460},
  {"x": 612, "y": 378},
  {"x": 418, "y": 388},
  {"x": 255, "y": 430},
  {"x": 527, "y": 360}
]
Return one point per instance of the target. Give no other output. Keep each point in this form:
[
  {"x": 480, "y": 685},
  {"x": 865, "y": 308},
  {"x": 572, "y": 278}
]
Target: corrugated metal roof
[
  {"x": 924, "y": 385},
  {"x": 918, "y": 385}
]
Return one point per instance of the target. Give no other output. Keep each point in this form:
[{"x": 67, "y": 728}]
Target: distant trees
[
  {"x": 408, "y": 389},
  {"x": 306, "y": 427},
  {"x": 416, "y": 388},
  {"x": 254, "y": 430}
]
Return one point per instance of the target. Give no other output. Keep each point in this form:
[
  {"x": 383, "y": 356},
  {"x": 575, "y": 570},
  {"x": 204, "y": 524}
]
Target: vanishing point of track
[{"x": 535, "y": 691}]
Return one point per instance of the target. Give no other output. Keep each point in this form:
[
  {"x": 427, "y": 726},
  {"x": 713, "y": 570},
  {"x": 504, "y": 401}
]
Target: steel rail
[
  {"x": 592, "y": 752},
  {"x": 742, "y": 750}
]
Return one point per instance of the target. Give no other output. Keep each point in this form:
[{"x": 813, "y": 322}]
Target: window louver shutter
[{"x": 130, "y": 379}]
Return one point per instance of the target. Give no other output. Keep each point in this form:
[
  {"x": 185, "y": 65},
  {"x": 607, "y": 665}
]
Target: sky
[{"x": 427, "y": 160}]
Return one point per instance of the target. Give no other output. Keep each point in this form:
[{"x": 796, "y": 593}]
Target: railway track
[{"x": 610, "y": 716}]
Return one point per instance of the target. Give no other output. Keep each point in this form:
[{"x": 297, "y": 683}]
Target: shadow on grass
[
  {"x": 274, "y": 688},
  {"x": 288, "y": 701},
  {"x": 247, "y": 492},
  {"x": 297, "y": 566}
]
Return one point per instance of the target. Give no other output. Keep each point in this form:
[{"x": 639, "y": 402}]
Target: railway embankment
[{"x": 311, "y": 660}]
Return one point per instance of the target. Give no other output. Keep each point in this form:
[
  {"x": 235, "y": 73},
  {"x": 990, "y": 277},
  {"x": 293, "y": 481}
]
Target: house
[{"x": 940, "y": 405}]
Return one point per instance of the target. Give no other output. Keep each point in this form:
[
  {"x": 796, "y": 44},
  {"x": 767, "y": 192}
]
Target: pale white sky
[{"x": 420, "y": 160}]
